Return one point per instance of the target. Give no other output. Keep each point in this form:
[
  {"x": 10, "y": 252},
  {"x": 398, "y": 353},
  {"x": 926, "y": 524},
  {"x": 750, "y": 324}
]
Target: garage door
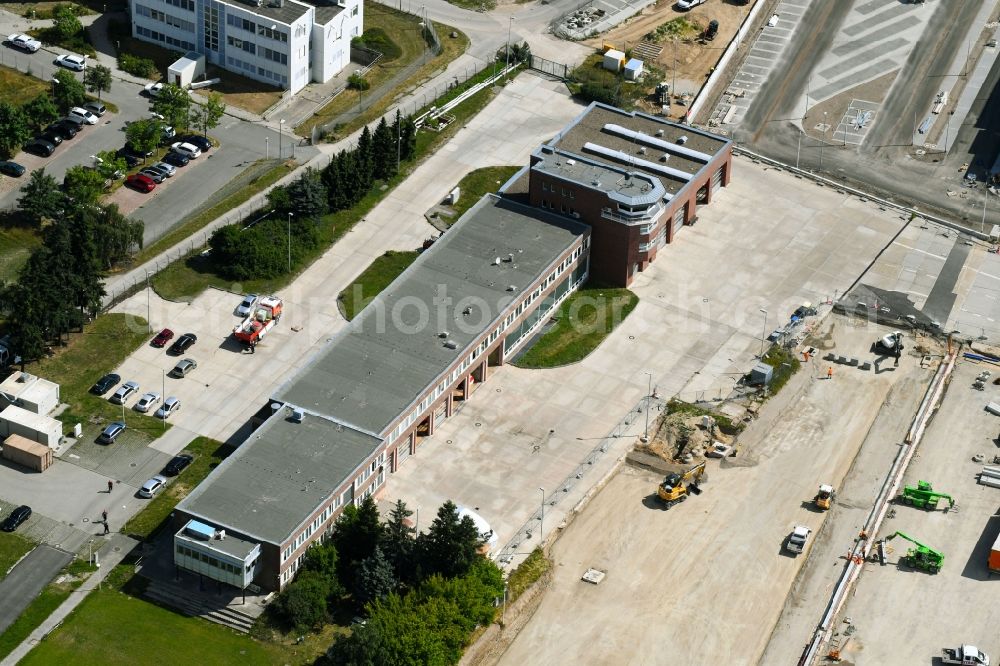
[
  {"x": 679, "y": 219},
  {"x": 717, "y": 179},
  {"x": 403, "y": 452}
]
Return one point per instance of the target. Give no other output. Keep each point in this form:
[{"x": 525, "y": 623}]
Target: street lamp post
[
  {"x": 281, "y": 127},
  {"x": 267, "y": 147},
  {"x": 649, "y": 394},
  {"x": 289, "y": 242},
  {"x": 510, "y": 24},
  {"x": 763, "y": 335},
  {"x": 825, "y": 128},
  {"x": 149, "y": 322},
  {"x": 798, "y": 149},
  {"x": 541, "y": 523}
]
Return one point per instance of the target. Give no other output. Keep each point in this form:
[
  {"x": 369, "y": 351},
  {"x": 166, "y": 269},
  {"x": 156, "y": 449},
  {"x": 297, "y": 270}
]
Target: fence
[{"x": 550, "y": 67}]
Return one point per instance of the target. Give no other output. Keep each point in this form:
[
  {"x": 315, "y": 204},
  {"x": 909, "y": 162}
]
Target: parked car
[
  {"x": 105, "y": 383},
  {"x": 96, "y": 108},
  {"x": 146, "y": 401},
  {"x": 684, "y": 5},
  {"x": 16, "y": 517},
  {"x": 177, "y": 465},
  {"x": 183, "y": 343},
  {"x": 203, "y": 144},
  {"x": 52, "y": 137},
  {"x": 140, "y": 182},
  {"x": 164, "y": 170},
  {"x": 124, "y": 392},
  {"x": 246, "y": 307},
  {"x": 168, "y": 133},
  {"x": 9, "y": 168},
  {"x": 82, "y": 114},
  {"x": 40, "y": 147},
  {"x": 183, "y": 368},
  {"x": 153, "y": 174},
  {"x": 162, "y": 338},
  {"x": 185, "y": 149},
  {"x": 138, "y": 153},
  {"x": 24, "y": 43},
  {"x": 169, "y": 406},
  {"x": 152, "y": 486},
  {"x": 74, "y": 62},
  {"x": 176, "y": 159},
  {"x": 78, "y": 123},
  {"x": 153, "y": 89},
  {"x": 131, "y": 159},
  {"x": 63, "y": 131},
  {"x": 796, "y": 541},
  {"x": 111, "y": 433}
]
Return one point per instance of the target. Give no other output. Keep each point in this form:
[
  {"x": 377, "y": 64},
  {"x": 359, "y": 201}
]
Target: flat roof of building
[
  {"x": 373, "y": 371},
  {"x": 228, "y": 544},
  {"x": 278, "y": 476},
  {"x": 28, "y": 386},
  {"x": 622, "y": 183},
  {"x": 37, "y": 422},
  {"x": 668, "y": 151},
  {"x": 288, "y": 13},
  {"x": 326, "y": 13}
]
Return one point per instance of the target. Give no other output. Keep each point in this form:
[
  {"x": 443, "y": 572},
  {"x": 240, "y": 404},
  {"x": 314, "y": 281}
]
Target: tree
[
  {"x": 383, "y": 151},
  {"x": 65, "y": 24},
  {"x": 207, "y": 116},
  {"x": 110, "y": 165},
  {"x": 40, "y": 111},
  {"x": 144, "y": 135},
  {"x": 356, "y": 535},
  {"x": 397, "y": 541},
  {"x": 303, "y": 602},
  {"x": 451, "y": 545},
  {"x": 42, "y": 199},
  {"x": 374, "y": 578},
  {"x": 363, "y": 160},
  {"x": 88, "y": 287},
  {"x": 97, "y": 78},
  {"x": 83, "y": 185},
  {"x": 174, "y": 104},
  {"x": 14, "y": 129},
  {"x": 407, "y": 130},
  {"x": 119, "y": 235},
  {"x": 307, "y": 195},
  {"x": 67, "y": 90},
  {"x": 321, "y": 559}
]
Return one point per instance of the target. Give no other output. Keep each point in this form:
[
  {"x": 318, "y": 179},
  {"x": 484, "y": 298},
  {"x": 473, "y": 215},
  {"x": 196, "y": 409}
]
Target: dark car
[
  {"x": 201, "y": 142},
  {"x": 40, "y": 147},
  {"x": 111, "y": 433},
  {"x": 63, "y": 130},
  {"x": 130, "y": 159},
  {"x": 16, "y": 517},
  {"x": 141, "y": 182},
  {"x": 11, "y": 169},
  {"x": 68, "y": 120},
  {"x": 162, "y": 338},
  {"x": 129, "y": 148},
  {"x": 183, "y": 343},
  {"x": 177, "y": 465},
  {"x": 176, "y": 159},
  {"x": 105, "y": 383},
  {"x": 52, "y": 137}
]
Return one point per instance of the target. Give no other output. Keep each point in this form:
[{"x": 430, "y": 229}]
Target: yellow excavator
[{"x": 676, "y": 486}]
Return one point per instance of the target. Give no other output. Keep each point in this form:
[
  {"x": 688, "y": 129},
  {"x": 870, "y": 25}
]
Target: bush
[
  {"x": 137, "y": 66},
  {"x": 595, "y": 92},
  {"x": 358, "y": 82}
]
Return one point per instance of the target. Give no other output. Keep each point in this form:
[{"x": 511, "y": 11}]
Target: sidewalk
[{"x": 114, "y": 551}]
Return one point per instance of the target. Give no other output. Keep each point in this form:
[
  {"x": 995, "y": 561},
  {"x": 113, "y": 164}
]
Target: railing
[{"x": 631, "y": 218}]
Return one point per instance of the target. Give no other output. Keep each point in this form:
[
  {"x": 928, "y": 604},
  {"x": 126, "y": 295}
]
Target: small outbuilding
[
  {"x": 29, "y": 392},
  {"x": 187, "y": 69},
  {"x": 24, "y": 452},
  {"x": 761, "y": 374},
  {"x": 633, "y": 69},
  {"x": 34, "y": 427},
  {"x": 614, "y": 60}
]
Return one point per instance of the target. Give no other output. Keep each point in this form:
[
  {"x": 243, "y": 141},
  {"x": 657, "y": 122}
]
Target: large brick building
[{"x": 598, "y": 200}]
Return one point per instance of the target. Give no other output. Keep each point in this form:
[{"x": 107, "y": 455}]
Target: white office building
[{"x": 285, "y": 43}]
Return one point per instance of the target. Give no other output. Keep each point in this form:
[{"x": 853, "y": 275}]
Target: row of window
[
  {"x": 240, "y": 22},
  {"x": 163, "y": 17},
  {"x": 274, "y": 34},
  {"x": 546, "y": 187},
  {"x": 253, "y": 69},
  {"x": 212, "y": 561},
  {"x": 212, "y": 28},
  {"x": 182, "y": 4},
  {"x": 166, "y": 39},
  {"x": 249, "y": 47},
  {"x": 563, "y": 208},
  {"x": 275, "y": 56}
]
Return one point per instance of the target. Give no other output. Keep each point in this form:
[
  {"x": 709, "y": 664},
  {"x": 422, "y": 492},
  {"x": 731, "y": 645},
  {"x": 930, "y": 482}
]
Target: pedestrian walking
[
  {"x": 104, "y": 515},
  {"x": 106, "y": 530},
  {"x": 111, "y": 485},
  {"x": 829, "y": 372}
]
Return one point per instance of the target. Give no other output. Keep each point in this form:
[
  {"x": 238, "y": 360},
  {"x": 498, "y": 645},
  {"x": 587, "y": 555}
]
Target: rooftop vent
[
  {"x": 659, "y": 132},
  {"x": 298, "y": 415},
  {"x": 467, "y": 311},
  {"x": 275, "y": 406},
  {"x": 595, "y": 183},
  {"x": 664, "y": 157},
  {"x": 496, "y": 262},
  {"x": 682, "y": 139},
  {"x": 450, "y": 344},
  {"x": 571, "y": 162},
  {"x": 220, "y": 535},
  {"x": 510, "y": 257},
  {"x": 642, "y": 150},
  {"x": 443, "y": 334},
  {"x": 511, "y": 287}
]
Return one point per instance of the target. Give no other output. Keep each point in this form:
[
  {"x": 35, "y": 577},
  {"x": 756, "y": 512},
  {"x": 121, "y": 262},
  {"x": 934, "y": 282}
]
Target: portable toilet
[
  {"x": 613, "y": 60},
  {"x": 633, "y": 69}
]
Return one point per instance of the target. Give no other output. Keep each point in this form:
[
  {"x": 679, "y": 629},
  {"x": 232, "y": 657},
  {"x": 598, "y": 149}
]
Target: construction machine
[
  {"x": 922, "y": 557},
  {"x": 676, "y": 486},
  {"x": 923, "y": 496},
  {"x": 890, "y": 344},
  {"x": 824, "y": 497}
]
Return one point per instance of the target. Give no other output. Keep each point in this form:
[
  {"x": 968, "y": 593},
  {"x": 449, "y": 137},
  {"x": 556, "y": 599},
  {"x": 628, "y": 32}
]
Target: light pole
[
  {"x": 673, "y": 72},
  {"x": 149, "y": 322},
  {"x": 267, "y": 147},
  {"x": 163, "y": 392},
  {"x": 541, "y": 523},
  {"x": 289, "y": 242},
  {"x": 986, "y": 197},
  {"x": 649, "y": 393},
  {"x": 510, "y": 24},
  {"x": 798, "y": 149},
  {"x": 281, "y": 127},
  {"x": 825, "y": 128},
  {"x": 399, "y": 140},
  {"x": 763, "y": 335}
]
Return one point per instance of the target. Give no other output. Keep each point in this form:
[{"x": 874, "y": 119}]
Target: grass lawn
[
  {"x": 47, "y": 601},
  {"x": 477, "y": 183},
  {"x": 120, "y": 33},
  {"x": 590, "y": 82},
  {"x": 12, "y": 548},
  {"x": 475, "y": 5},
  {"x": 20, "y": 88},
  {"x": 16, "y": 245},
  {"x": 583, "y": 321},
  {"x": 102, "y": 346},
  {"x": 242, "y": 92},
  {"x": 379, "y": 275},
  {"x": 208, "y": 453},
  {"x": 43, "y": 10}
]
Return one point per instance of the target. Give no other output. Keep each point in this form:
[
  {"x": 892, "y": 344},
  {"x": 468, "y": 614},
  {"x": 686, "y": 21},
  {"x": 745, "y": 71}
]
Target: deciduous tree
[
  {"x": 83, "y": 185},
  {"x": 67, "y": 90},
  {"x": 174, "y": 104},
  {"x": 97, "y": 78},
  {"x": 207, "y": 116},
  {"x": 41, "y": 198},
  {"x": 14, "y": 129},
  {"x": 65, "y": 23},
  {"x": 144, "y": 135},
  {"x": 40, "y": 111}
]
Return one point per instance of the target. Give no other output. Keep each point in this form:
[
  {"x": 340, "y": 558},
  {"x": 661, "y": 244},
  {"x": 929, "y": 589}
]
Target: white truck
[
  {"x": 796, "y": 542},
  {"x": 966, "y": 655}
]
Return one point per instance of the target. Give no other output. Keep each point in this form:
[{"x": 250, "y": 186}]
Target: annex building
[
  {"x": 334, "y": 431},
  {"x": 284, "y": 43}
]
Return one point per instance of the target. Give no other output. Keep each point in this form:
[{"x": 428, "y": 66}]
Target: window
[
  {"x": 354, "y": 10},
  {"x": 276, "y": 35},
  {"x": 212, "y": 28}
]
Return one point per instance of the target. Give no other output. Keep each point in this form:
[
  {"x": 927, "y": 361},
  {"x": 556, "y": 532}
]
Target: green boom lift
[
  {"x": 923, "y": 496},
  {"x": 922, "y": 557}
]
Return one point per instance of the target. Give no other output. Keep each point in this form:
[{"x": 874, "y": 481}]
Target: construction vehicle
[
  {"x": 796, "y": 541},
  {"x": 261, "y": 319},
  {"x": 711, "y": 31},
  {"x": 966, "y": 655},
  {"x": 676, "y": 486},
  {"x": 922, "y": 557},
  {"x": 890, "y": 344},
  {"x": 824, "y": 497},
  {"x": 923, "y": 496}
]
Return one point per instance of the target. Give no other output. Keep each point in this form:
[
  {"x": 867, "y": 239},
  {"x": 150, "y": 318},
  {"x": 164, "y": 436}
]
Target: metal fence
[{"x": 549, "y": 67}]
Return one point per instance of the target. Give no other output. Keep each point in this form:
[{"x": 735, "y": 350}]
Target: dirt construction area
[{"x": 706, "y": 581}]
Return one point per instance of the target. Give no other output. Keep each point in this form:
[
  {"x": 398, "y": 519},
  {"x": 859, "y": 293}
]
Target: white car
[
  {"x": 168, "y": 169},
  {"x": 169, "y": 406},
  {"x": 24, "y": 42},
  {"x": 796, "y": 542},
  {"x": 81, "y": 115},
  {"x": 146, "y": 402},
  {"x": 126, "y": 391},
  {"x": 74, "y": 62},
  {"x": 153, "y": 89},
  {"x": 684, "y": 5},
  {"x": 152, "y": 486},
  {"x": 185, "y": 149},
  {"x": 246, "y": 307}
]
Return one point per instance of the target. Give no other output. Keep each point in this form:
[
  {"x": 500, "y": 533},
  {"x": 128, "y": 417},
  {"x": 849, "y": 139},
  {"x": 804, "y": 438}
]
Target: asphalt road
[
  {"x": 885, "y": 160},
  {"x": 27, "y": 579}
]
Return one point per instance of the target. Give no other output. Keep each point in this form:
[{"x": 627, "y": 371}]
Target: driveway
[{"x": 27, "y": 579}]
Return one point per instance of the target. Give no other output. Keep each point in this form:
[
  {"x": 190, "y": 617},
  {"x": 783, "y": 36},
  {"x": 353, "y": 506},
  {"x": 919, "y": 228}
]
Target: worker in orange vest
[{"x": 829, "y": 372}]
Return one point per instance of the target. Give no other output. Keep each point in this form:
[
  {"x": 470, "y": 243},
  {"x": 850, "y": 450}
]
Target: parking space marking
[
  {"x": 854, "y": 79},
  {"x": 862, "y": 57},
  {"x": 871, "y": 22}
]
